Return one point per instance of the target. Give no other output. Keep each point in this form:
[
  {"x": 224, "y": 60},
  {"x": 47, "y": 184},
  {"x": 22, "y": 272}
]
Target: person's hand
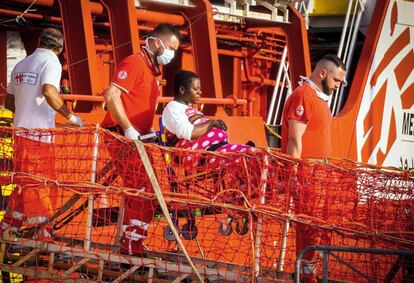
[
  {"x": 222, "y": 125},
  {"x": 131, "y": 133},
  {"x": 75, "y": 120},
  {"x": 218, "y": 124}
]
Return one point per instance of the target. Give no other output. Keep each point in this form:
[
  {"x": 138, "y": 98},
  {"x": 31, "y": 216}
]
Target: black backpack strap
[
  {"x": 172, "y": 141},
  {"x": 216, "y": 146}
]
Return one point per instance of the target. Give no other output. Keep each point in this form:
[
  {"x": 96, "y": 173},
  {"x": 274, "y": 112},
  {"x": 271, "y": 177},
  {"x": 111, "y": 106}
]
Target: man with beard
[
  {"x": 306, "y": 133},
  {"x": 306, "y": 130}
]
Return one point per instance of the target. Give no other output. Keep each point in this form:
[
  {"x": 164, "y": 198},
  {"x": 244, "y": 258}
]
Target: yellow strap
[{"x": 272, "y": 132}]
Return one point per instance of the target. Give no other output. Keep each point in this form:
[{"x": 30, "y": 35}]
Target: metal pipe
[
  {"x": 274, "y": 52},
  {"x": 260, "y": 220},
  {"x": 339, "y": 99},
  {"x": 275, "y": 90},
  {"x": 241, "y": 54},
  {"x": 101, "y": 24},
  {"x": 88, "y": 232},
  {"x": 345, "y": 29},
  {"x": 289, "y": 88},
  {"x": 351, "y": 29},
  {"x": 331, "y": 249},
  {"x": 271, "y": 31},
  {"x": 96, "y": 8},
  {"x": 333, "y": 99},
  {"x": 283, "y": 244},
  {"x": 159, "y": 17},
  {"x": 247, "y": 39},
  {"x": 282, "y": 87},
  {"x": 161, "y": 99},
  {"x": 261, "y": 81},
  {"x": 103, "y": 47},
  {"x": 325, "y": 266},
  {"x": 29, "y": 15},
  {"x": 149, "y": 29},
  {"x": 237, "y": 38},
  {"x": 270, "y": 59},
  {"x": 47, "y": 3},
  {"x": 354, "y": 33}
]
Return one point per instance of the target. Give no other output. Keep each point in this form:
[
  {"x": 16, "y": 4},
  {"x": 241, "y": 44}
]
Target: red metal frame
[
  {"x": 298, "y": 46},
  {"x": 80, "y": 48},
  {"x": 124, "y": 28},
  {"x": 203, "y": 39}
]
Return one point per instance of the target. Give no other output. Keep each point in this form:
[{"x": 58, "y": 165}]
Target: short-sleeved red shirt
[
  {"x": 140, "y": 90},
  {"x": 304, "y": 105}
]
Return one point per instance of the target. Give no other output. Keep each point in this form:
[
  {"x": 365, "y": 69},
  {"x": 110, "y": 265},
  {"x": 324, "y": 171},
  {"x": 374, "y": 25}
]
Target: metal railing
[
  {"x": 347, "y": 46},
  {"x": 327, "y": 251},
  {"x": 283, "y": 84},
  {"x": 355, "y": 10},
  {"x": 305, "y": 7}
]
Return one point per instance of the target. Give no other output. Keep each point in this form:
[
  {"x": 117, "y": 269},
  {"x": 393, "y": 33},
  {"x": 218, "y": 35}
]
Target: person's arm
[
  {"x": 115, "y": 107},
  {"x": 200, "y": 130},
  {"x": 9, "y": 104},
  {"x": 295, "y": 134},
  {"x": 176, "y": 121},
  {"x": 54, "y": 100}
]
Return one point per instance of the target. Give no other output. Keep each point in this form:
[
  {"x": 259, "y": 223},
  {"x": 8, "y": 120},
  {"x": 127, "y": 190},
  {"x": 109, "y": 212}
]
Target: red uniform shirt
[
  {"x": 140, "y": 91},
  {"x": 304, "y": 105}
]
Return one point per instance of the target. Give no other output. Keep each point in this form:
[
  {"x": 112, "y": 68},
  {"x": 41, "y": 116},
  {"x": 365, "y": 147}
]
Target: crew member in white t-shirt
[
  {"x": 33, "y": 95},
  {"x": 33, "y": 92}
]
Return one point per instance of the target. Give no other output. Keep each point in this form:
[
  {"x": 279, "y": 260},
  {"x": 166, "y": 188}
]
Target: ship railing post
[
  {"x": 259, "y": 220},
  {"x": 288, "y": 93},
  {"x": 348, "y": 59},
  {"x": 88, "y": 233},
  {"x": 281, "y": 263},
  {"x": 277, "y": 85},
  {"x": 346, "y": 55}
]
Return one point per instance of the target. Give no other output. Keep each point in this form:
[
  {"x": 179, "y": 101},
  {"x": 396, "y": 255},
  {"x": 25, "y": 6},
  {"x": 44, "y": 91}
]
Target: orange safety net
[{"x": 241, "y": 216}]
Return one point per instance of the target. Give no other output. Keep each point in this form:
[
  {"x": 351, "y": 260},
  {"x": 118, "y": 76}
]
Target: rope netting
[{"x": 82, "y": 206}]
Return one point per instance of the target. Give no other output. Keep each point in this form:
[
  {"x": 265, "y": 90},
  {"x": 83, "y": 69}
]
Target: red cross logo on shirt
[
  {"x": 18, "y": 78},
  {"x": 299, "y": 110}
]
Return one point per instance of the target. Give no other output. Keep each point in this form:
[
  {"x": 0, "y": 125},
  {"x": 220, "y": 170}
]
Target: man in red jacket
[
  {"x": 131, "y": 100},
  {"x": 306, "y": 133}
]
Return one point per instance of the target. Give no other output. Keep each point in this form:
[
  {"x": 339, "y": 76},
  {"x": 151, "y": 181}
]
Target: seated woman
[
  {"x": 195, "y": 131},
  {"x": 192, "y": 129}
]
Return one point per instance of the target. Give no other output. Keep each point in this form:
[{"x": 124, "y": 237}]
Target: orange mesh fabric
[{"x": 237, "y": 221}]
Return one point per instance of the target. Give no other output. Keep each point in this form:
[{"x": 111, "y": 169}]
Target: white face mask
[
  {"x": 319, "y": 93},
  {"x": 166, "y": 56}
]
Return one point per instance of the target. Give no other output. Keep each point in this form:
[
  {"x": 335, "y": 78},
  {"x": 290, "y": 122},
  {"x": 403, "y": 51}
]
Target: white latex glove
[
  {"x": 76, "y": 120},
  {"x": 131, "y": 133}
]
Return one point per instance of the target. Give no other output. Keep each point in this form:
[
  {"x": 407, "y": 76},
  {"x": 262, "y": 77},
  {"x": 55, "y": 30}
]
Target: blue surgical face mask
[{"x": 165, "y": 57}]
